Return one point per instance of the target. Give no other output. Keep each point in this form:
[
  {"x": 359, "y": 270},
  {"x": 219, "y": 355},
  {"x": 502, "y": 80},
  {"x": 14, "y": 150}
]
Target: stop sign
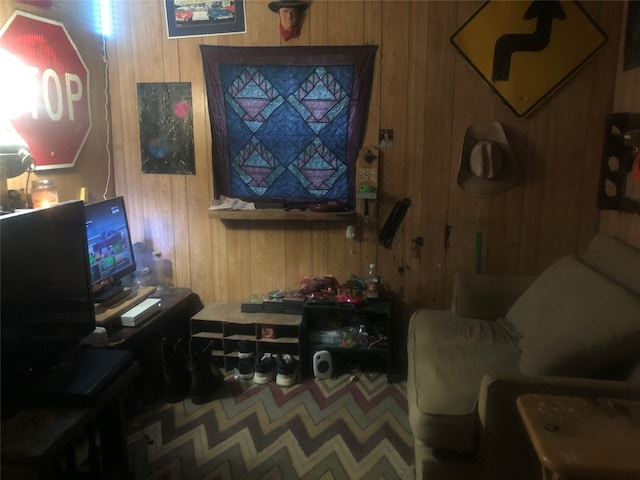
[{"x": 57, "y": 119}]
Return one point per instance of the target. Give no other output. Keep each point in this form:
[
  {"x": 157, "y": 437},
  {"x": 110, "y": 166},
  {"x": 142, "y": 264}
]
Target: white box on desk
[{"x": 140, "y": 313}]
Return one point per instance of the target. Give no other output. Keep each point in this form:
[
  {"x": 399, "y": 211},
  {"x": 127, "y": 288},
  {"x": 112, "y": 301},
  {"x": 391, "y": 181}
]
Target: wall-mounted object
[
  {"x": 43, "y": 70},
  {"x": 223, "y": 17},
  {"x": 388, "y": 231},
  {"x": 524, "y": 51},
  {"x": 290, "y": 16},
  {"x": 487, "y": 164},
  {"x": 165, "y": 115},
  {"x": 367, "y": 176},
  {"x": 287, "y": 122},
  {"x": 619, "y": 187}
]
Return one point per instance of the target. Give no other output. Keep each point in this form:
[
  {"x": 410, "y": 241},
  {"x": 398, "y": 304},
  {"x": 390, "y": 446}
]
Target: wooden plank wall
[{"x": 425, "y": 91}]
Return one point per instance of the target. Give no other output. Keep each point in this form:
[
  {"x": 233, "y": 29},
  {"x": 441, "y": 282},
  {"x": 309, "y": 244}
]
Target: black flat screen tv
[
  {"x": 45, "y": 289},
  {"x": 110, "y": 249}
]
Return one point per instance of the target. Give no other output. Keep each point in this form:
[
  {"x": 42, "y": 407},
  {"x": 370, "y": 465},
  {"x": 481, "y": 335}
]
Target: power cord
[{"x": 105, "y": 59}]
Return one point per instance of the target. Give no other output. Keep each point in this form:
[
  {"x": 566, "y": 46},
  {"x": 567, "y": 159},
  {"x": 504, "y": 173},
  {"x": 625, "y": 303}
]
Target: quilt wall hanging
[{"x": 287, "y": 122}]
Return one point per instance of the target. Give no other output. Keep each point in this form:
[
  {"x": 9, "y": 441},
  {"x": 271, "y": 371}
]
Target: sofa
[{"x": 572, "y": 330}]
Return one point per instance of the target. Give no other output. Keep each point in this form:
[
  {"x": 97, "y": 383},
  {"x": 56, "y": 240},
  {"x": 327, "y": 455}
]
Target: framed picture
[
  {"x": 165, "y": 116},
  {"x": 186, "y": 18}
]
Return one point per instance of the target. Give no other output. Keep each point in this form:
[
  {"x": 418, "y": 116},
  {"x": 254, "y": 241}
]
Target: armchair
[{"x": 575, "y": 329}]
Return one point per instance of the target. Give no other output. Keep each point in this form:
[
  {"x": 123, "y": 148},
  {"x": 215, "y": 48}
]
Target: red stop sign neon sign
[{"x": 58, "y": 120}]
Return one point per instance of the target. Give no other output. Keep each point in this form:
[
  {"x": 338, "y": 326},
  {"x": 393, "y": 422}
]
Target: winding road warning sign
[{"x": 526, "y": 50}]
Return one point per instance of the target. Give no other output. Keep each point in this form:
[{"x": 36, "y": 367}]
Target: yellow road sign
[{"x": 526, "y": 50}]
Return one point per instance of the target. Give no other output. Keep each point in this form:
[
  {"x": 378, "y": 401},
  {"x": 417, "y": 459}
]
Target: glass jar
[
  {"x": 44, "y": 193},
  {"x": 144, "y": 278}
]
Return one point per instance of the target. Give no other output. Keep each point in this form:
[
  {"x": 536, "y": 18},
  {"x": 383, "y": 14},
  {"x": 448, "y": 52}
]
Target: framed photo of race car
[{"x": 185, "y": 18}]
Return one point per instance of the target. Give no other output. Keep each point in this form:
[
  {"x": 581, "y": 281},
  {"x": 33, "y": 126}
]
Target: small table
[{"x": 583, "y": 438}]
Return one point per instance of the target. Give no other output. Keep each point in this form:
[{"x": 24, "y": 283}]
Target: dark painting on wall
[
  {"x": 287, "y": 122},
  {"x": 632, "y": 36},
  {"x": 165, "y": 117}
]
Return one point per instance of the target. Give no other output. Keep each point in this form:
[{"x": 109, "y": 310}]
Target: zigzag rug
[{"x": 315, "y": 430}]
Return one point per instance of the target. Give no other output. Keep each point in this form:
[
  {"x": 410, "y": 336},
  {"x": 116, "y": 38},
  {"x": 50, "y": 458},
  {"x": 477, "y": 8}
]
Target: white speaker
[{"x": 322, "y": 367}]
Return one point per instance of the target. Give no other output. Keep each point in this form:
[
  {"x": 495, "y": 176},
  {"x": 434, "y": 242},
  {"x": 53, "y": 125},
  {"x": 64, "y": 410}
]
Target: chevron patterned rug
[{"x": 315, "y": 430}]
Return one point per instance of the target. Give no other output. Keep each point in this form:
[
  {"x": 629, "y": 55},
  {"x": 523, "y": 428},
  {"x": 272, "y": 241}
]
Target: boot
[
  {"x": 177, "y": 378},
  {"x": 206, "y": 378}
]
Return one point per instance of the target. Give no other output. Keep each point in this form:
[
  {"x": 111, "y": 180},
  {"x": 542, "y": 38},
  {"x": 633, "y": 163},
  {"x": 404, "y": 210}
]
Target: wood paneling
[{"x": 422, "y": 89}]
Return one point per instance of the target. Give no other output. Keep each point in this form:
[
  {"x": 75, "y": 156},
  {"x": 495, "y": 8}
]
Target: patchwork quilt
[{"x": 287, "y": 122}]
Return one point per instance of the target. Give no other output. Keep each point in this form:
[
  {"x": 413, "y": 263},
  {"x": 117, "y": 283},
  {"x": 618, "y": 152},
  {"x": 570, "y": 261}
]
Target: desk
[
  {"x": 37, "y": 439},
  {"x": 583, "y": 438},
  {"x": 177, "y": 306}
]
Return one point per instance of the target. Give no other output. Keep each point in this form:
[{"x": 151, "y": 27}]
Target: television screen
[
  {"x": 45, "y": 290},
  {"x": 110, "y": 249}
]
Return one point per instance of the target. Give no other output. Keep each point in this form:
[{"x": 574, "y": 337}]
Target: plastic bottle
[
  {"x": 158, "y": 267},
  {"x": 372, "y": 282},
  {"x": 142, "y": 256}
]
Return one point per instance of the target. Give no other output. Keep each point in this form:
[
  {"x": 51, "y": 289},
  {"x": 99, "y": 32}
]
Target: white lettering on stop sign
[{"x": 53, "y": 95}]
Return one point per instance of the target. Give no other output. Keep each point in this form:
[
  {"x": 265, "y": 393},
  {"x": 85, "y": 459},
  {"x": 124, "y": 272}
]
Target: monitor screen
[
  {"x": 110, "y": 249},
  {"x": 45, "y": 291}
]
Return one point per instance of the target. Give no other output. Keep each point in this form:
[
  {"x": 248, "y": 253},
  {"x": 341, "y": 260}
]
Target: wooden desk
[
  {"x": 583, "y": 438},
  {"x": 177, "y": 306},
  {"x": 40, "y": 442}
]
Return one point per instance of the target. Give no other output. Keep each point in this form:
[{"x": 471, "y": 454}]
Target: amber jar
[{"x": 44, "y": 193}]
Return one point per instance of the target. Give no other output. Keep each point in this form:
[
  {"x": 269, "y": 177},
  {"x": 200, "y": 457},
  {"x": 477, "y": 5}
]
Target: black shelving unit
[{"x": 322, "y": 322}]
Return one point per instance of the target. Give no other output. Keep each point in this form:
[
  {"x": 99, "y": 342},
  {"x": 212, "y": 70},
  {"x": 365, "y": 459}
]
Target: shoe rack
[
  {"x": 327, "y": 323},
  {"x": 227, "y": 326}
]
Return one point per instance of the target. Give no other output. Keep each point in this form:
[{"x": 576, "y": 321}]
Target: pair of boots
[{"x": 195, "y": 372}]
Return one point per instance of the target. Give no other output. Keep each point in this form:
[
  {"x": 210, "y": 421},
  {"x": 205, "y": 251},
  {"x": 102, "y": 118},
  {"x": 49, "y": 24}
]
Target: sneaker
[
  {"x": 287, "y": 370},
  {"x": 245, "y": 362},
  {"x": 265, "y": 369}
]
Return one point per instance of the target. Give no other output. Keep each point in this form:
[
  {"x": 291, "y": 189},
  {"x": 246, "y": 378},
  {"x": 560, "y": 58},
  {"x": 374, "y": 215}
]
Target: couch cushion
[
  {"x": 575, "y": 322},
  {"x": 448, "y": 356},
  {"x": 616, "y": 260}
]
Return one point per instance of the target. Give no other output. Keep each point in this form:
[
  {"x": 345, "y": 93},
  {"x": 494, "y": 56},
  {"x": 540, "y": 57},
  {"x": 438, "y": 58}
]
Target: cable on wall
[{"x": 105, "y": 59}]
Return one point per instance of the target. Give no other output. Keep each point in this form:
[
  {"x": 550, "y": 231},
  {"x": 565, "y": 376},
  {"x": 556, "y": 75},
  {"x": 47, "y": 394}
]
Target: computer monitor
[
  {"x": 46, "y": 303},
  {"x": 110, "y": 248}
]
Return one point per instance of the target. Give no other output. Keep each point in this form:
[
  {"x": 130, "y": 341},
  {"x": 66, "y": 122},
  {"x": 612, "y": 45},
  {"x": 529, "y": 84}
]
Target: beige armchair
[{"x": 507, "y": 335}]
